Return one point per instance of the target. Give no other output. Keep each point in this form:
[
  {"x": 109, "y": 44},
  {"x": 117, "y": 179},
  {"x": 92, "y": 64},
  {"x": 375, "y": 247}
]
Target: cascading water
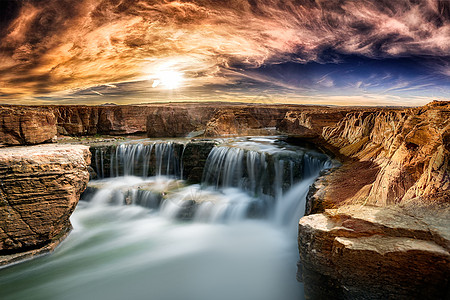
[
  {"x": 265, "y": 171},
  {"x": 138, "y": 159},
  {"x": 155, "y": 237}
]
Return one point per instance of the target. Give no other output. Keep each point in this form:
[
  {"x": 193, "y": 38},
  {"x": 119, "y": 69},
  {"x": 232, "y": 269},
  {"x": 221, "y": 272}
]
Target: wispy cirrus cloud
[{"x": 66, "y": 45}]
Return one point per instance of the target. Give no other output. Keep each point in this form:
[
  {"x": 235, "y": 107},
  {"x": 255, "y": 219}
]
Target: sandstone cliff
[
  {"x": 232, "y": 122},
  {"x": 77, "y": 120},
  {"x": 394, "y": 244},
  {"x": 157, "y": 120},
  {"x": 26, "y": 125},
  {"x": 309, "y": 123},
  {"x": 178, "y": 121},
  {"x": 410, "y": 147},
  {"x": 38, "y": 124},
  {"x": 39, "y": 188}
]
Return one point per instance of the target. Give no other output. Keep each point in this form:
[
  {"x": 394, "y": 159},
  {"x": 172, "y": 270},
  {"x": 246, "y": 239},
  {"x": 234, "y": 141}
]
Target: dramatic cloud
[{"x": 58, "y": 47}]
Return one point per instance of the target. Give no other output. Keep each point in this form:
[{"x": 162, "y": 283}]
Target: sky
[{"x": 337, "y": 52}]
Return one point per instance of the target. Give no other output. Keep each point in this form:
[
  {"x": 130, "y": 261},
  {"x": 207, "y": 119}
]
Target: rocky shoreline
[{"x": 386, "y": 206}]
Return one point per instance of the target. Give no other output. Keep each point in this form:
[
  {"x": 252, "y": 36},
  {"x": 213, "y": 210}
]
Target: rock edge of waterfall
[
  {"x": 366, "y": 252},
  {"x": 39, "y": 188}
]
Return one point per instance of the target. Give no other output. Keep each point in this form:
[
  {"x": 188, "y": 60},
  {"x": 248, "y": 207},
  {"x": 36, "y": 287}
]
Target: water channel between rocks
[{"x": 145, "y": 230}]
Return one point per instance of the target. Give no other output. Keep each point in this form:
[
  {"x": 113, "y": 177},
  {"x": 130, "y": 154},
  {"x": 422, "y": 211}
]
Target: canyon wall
[
  {"x": 389, "y": 237},
  {"x": 26, "y": 125},
  {"x": 309, "y": 122},
  {"x": 39, "y": 188},
  {"x": 411, "y": 149},
  {"x": 39, "y": 124},
  {"x": 157, "y": 120}
]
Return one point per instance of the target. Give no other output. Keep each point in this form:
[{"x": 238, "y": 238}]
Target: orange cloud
[{"x": 61, "y": 46}]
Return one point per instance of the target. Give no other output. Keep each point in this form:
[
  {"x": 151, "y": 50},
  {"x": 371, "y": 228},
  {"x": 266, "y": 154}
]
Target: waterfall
[
  {"x": 241, "y": 179},
  {"x": 137, "y": 159},
  {"x": 260, "y": 171},
  {"x": 224, "y": 167},
  {"x": 141, "y": 230}
]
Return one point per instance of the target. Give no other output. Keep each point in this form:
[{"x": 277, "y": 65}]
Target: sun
[{"x": 169, "y": 79}]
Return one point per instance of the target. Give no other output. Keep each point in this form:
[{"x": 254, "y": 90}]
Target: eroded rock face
[
  {"x": 39, "y": 189},
  {"x": 391, "y": 157},
  {"x": 410, "y": 147},
  {"x": 26, "y": 125},
  {"x": 177, "y": 121},
  {"x": 357, "y": 252},
  {"x": 309, "y": 123},
  {"x": 232, "y": 122},
  {"x": 77, "y": 120}
]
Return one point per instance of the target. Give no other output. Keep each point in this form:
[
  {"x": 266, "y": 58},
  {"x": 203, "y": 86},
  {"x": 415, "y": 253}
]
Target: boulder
[
  {"x": 39, "y": 189},
  {"x": 26, "y": 125},
  {"x": 362, "y": 252}
]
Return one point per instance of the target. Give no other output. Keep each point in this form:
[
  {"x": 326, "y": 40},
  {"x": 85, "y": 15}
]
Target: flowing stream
[{"x": 152, "y": 236}]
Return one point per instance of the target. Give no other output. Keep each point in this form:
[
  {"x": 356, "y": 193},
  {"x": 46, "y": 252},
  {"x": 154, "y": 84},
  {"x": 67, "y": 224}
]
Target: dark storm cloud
[{"x": 64, "y": 45}]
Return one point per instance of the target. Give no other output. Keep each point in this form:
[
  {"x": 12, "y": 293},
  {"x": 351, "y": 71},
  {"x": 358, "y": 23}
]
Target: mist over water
[{"x": 143, "y": 251}]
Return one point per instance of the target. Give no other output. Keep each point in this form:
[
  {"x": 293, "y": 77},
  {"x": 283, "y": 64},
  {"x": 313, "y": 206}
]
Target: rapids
[{"x": 152, "y": 236}]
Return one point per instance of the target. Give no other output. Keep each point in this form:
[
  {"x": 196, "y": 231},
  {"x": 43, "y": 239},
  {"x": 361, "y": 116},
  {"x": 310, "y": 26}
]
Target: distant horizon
[
  {"x": 334, "y": 52},
  {"x": 225, "y": 103}
]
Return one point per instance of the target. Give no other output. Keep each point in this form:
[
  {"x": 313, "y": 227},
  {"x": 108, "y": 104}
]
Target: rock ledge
[
  {"x": 39, "y": 189},
  {"x": 362, "y": 252}
]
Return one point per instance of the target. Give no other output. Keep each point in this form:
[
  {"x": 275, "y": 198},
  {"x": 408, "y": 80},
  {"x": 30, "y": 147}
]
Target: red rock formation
[
  {"x": 386, "y": 252},
  {"x": 233, "y": 122},
  {"x": 77, "y": 120},
  {"x": 39, "y": 188},
  {"x": 178, "y": 120},
  {"x": 309, "y": 123},
  {"x": 411, "y": 148},
  {"x": 26, "y": 125},
  {"x": 158, "y": 120}
]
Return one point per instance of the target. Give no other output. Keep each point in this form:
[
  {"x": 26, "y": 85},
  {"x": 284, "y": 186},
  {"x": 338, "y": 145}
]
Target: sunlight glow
[{"x": 169, "y": 80}]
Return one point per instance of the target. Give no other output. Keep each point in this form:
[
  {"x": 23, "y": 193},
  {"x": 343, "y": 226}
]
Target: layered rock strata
[
  {"x": 156, "y": 120},
  {"x": 395, "y": 243},
  {"x": 309, "y": 123},
  {"x": 26, "y": 125},
  {"x": 357, "y": 252},
  {"x": 177, "y": 121},
  {"x": 161, "y": 120},
  {"x": 39, "y": 189},
  {"x": 233, "y": 122},
  {"x": 410, "y": 147}
]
